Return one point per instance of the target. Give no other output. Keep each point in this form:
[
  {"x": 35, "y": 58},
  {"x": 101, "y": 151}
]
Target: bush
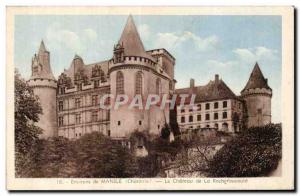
[{"x": 253, "y": 153}]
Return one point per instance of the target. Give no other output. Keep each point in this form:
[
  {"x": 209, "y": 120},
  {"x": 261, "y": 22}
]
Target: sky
[{"x": 202, "y": 45}]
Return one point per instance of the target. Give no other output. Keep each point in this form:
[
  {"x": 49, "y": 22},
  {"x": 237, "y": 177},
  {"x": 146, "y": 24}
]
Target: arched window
[
  {"x": 139, "y": 83},
  {"x": 120, "y": 83},
  {"x": 158, "y": 86}
]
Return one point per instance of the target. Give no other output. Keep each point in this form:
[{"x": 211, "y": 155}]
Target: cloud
[
  {"x": 260, "y": 53},
  {"x": 216, "y": 63},
  {"x": 248, "y": 56},
  {"x": 65, "y": 39},
  {"x": 90, "y": 34},
  {"x": 171, "y": 40}
]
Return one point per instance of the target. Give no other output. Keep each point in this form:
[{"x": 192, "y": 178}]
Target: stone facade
[
  {"x": 44, "y": 86},
  {"x": 71, "y": 104},
  {"x": 216, "y": 106}
]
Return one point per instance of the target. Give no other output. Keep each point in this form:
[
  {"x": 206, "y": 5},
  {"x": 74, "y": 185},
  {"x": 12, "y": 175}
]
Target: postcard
[{"x": 150, "y": 98}]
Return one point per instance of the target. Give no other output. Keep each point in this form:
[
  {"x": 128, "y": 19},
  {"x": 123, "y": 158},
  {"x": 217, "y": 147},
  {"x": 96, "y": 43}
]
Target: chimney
[
  {"x": 192, "y": 83},
  {"x": 217, "y": 78}
]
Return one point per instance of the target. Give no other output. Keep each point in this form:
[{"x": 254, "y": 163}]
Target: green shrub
[{"x": 253, "y": 153}]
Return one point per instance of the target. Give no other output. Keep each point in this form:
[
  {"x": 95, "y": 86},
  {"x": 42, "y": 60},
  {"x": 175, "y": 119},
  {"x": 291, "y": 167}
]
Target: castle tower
[
  {"x": 257, "y": 96},
  {"x": 132, "y": 72},
  {"x": 44, "y": 86}
]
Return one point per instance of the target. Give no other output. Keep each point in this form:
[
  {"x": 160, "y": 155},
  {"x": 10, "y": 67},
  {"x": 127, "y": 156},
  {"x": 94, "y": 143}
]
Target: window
[
  {"x": 259, "y": 111},
  {"x": 77, "y": 103},
  {"x": 207, "y": 126},
  {"x": 60, "y": 121},
  {"x": 206, "y": 116},
  {"x": 216, "y": 105},
  {"x": 120, "y": 83},
  {"x": 119, "y": 123},
  {"x": 158, "y": 86},
  {"x": 217, "y": 126},
  {"x": 224, "y": 104},
  {"x": 199, "y": 107},
  {"x": 79, "y": 87},
  {"x": 182, "y": 110},
  {"x": 108, "y": 132},
  {"x": 216, "y": 116},
  {"x": 224, "y": 115},
  {"x": 96, "y": 83},
  {"x": 60, "y": 105},
  {"x": 94, "y": 99},
  {"x": 140, "y": 122},
  {"x": 183, "y": 119},
  {"x": 191, "y": 109},
  {"x": 62, "y": 90},
  {"x": 78, "y": 118},
  {"x": 139, "y": 83},
  {"x": 198, "y": 117},
  {"x": 190, "y": 118},
  {"x": 207, "y": 106},
  {"x": 94, "y": 116}
]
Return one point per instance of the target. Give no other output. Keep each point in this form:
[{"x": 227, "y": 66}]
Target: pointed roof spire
[
  {"x": 77, "y": 56},
  {"x": 257, "y": 79},
  {"x": 131, "y": 41},
  {"x": 42, "y": 47}
]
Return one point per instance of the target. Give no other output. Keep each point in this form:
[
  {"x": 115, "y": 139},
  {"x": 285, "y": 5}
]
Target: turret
[
  {"x": 131, "y": 72},
  {"x": 44, "y": 86},
  {"x": 257, "y": 96}
]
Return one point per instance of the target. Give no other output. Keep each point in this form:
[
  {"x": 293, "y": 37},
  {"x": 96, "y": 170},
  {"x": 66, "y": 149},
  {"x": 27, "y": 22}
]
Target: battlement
[
  {"x": 42, "y": 82},
  {"x": 256, "y": 91},
  {"x": 161, "y": 51},
  {"x": 134, "y": 60}
]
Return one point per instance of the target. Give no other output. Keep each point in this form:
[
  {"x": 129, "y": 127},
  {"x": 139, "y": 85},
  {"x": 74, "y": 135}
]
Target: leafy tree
[
  {"x": 27, "y": 111},
  {"x": 99, "y": 156},
  {"x": 173, "y": 121},
  {"x": 255, "y": 152},
  {"x": 165, "y": 132}
]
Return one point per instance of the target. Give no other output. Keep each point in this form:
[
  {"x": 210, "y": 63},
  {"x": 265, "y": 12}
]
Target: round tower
[
  {"x": 131, "y": 73},
  {"x": 44, "y": 86},
  {"x": 257, "y": 96}
]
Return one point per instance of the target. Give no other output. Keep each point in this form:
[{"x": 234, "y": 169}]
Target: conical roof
[
  {"x": 42, "y": 47},
  {"x": 256, "y": 79},
  {"x": 131, "y": 41}
]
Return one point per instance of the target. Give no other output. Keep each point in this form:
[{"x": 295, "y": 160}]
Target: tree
[
  {"x": 165, "y": 132},
  {"x": 27, "y": 111},
  {"x": 99, "y": 156},
  {"x": 255, "y": 152}
]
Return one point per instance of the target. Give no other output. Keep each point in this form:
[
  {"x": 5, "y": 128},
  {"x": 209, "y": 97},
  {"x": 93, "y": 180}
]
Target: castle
[{"x": 71, "y": 103}]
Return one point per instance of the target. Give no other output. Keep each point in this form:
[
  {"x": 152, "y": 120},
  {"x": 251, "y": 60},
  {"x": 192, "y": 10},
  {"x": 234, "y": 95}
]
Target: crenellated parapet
[
  {"x": 42, "y": 82},
  {"x": 257, "y": 91}
]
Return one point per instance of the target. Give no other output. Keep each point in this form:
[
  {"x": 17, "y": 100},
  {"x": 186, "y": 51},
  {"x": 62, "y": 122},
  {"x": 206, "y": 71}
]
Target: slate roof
[
  {"x": 214, "y": 90},
  {"x": 256, "y": 80},
  {"x": 131, "y": 41}
]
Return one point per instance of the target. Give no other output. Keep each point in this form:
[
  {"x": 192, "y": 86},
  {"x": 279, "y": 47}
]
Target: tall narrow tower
[
  {"x": 44, "y": 86},
  {"x": 257, "y": 95},
  {"x": 133, "y": 73}
]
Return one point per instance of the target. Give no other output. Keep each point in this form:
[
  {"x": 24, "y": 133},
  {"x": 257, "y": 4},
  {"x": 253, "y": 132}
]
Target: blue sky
[{"x": 202, "y": 45}]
